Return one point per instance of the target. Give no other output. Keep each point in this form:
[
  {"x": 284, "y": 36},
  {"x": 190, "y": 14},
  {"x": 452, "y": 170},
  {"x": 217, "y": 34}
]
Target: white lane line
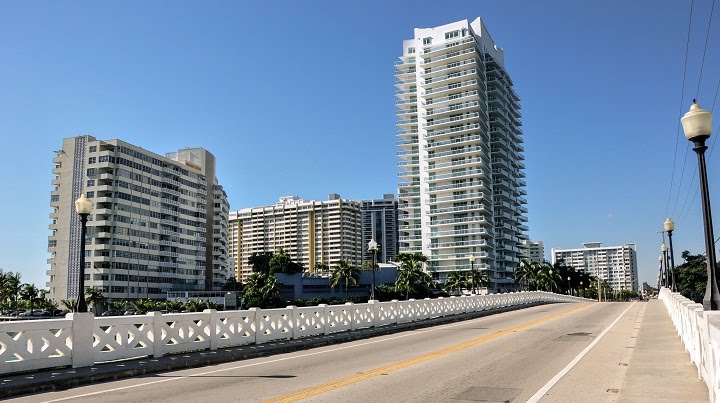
[
  {"x": 175, "y": 378},
  {"x": 541, "y": 393}
]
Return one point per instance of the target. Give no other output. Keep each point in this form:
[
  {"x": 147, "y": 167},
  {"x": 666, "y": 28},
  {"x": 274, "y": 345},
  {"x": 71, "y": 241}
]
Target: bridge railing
[
  {"x": 699, "y": 331},
  {"x": 80, "y": 339}
]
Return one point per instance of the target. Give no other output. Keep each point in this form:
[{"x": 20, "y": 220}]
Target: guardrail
[
  {"x": 81, "y": 339},
  {"x": 700, "y": 333}
]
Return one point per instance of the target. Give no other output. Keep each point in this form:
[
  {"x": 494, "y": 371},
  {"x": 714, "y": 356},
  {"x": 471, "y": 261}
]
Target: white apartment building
[
  {"x": 158, "y": 223},
  {"x": 461, "y": 169},
  {"x": 309, "y": 231},
  {"x": 616, "y": 264},
  {"x": 535, "y": 250},
  {"x": 379, "y": 222}
]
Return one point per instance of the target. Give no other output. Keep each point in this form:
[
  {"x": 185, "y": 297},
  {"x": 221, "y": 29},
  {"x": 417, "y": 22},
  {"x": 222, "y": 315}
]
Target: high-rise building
[
  {"x": 158, "y": 223},
  {"x": 461, "y": 168},
  {"x": 379, "y": 222},
  {"x": 309, "y": 231},
  {"x": 535, "y": 250},
  {"x": 616, "y": 264}
]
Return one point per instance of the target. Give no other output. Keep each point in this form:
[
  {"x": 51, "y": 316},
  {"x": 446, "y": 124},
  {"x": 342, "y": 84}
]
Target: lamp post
[
  {"x": 669, "y": 228},
  {"x": 83, "y": 207},
  {"x": 581, "y": 287},
  {"x": 697, "y": 125},
  {"x": 472, "y": 272},
  {"x": 569, "y": 289},
  {"x": 551, "y": 287},
  {"x": 662, "y": 274},
  {"x": 664, "y": 250},
  {"x": 372, "y": 247}
]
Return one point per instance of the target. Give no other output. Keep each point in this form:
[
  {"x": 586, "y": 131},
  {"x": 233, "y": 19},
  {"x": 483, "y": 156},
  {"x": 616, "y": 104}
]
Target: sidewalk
[{"x": 660, "y": 369}]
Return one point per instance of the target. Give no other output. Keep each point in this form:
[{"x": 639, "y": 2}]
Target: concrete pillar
[{"x": 83, "y": 325}]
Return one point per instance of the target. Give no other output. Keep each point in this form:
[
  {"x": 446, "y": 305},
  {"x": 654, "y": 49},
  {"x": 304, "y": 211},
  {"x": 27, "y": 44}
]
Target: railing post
[
  {"x": 212, "y": 327},
  {"x": 157, "y": 322},
  {"x": 351, "y": 309},
  {"x": 83, "y": 326},
  {"x": 376, "y": 311},
  {"x": 256, "y": 322}
]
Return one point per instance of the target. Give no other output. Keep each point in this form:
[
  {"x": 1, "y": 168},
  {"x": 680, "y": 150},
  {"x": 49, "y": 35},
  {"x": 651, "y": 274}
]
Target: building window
[
  {"x": 93, "y": 149},
  {"x": 92, "y": 160},
  {"x": 452, "y": 34},
  {"x": 427, "y": 41},
  {"x": 90, "y": 195},
  {"x": 91, "y": 182},
  {"x": 54, "y": 198},
  {"x": 411, "y": 51}
]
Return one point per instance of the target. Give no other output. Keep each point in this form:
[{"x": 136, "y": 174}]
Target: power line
[
  {"x": 682, "y": 95},
  {"x": 707, "y": 35}
]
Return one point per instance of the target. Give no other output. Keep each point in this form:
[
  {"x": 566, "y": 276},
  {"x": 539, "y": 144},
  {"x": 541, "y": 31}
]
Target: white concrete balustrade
[
  {"x": 82, "y": 340},
  {"x": 700, "y": 333}
]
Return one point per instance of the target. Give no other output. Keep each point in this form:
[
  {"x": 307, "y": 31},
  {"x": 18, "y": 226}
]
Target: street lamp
[
  {"x": 83, "y": 206},
  {"x": 472, "y": 272},
  {"x": 581, "y": 287},
  {"x": 697, "y": 125},
  {"x": 664, "y": 250},
  {"x": 669, "y": 228},
  {"x": 372, "y": 248},
  {"x": 569, "y": 286},
  {"x": 662, "y": 274},
  {"x": 551, "y": 287}
]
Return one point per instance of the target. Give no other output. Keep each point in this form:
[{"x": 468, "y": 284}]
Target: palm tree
[
  {"x": 410, "y": 272},
  {"x": 321, "y": 267},
  {"x": 455, "y": 280},
  {"x": 343, "y": 272},
  {"x": 69, "y": 304},
  {"x": 261, "y": 290},
  {"x": 94, "y": 296},
  {"x": 11, "y": 288},
  {"x": 525, "y": 273},
  {"x": 428, "y": 283},
  {"x": 478, "y": 278},
  {"x": 29, "y": 293}
]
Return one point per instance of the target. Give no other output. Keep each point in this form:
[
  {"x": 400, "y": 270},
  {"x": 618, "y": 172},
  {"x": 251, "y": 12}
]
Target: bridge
[{"x": 473, "y": 348}]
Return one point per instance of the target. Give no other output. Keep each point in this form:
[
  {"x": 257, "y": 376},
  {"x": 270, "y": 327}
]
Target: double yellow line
[{"x": 349, "y": 380}]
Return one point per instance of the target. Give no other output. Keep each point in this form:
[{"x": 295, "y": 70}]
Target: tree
[
  {"x": 95, "y": 297},
  {"x": 11, "y": 286},
  {"x": 410, "y": 272},
  {"x": 260, "y": 262},
  {"x": 478, "y": 278},
  {"x": 69, "y": 304},
  {"x": 691, "y": 277},
  {"x": 29, "y": 293},
  {"x": 232, "y": 285},
  {"x": 456, "y": 281},
  {"x": 524, "y": 273},
  {"x": 343, "y": 272},
  {"x": 280, "y": 262},
  {"x": 262, "y": 290}
]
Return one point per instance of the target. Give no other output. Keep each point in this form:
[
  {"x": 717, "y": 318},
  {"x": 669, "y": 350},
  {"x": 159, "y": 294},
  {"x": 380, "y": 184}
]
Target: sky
[{"x": 297, "y": 98}]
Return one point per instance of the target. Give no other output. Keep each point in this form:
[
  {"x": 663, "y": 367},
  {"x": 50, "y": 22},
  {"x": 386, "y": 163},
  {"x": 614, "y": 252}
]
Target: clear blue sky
[{"x": 297, "y": 98}]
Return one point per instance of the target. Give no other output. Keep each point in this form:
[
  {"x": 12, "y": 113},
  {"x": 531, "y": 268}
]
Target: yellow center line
[{"x": 349, "y": 380}]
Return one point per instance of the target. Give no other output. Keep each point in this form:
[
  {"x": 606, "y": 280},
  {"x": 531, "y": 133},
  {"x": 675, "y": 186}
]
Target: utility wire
[
  {"x": 707, "y": 36},
  {"x": 682, "y": 95}
]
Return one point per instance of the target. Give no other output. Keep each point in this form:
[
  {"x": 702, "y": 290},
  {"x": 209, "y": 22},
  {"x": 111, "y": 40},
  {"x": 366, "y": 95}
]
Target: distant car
[{"x": 111, "y": 312}]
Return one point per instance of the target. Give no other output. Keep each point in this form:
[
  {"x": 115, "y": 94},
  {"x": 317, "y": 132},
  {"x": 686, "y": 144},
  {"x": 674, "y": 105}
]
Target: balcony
[
  {"x": 455, "y": 186},
  {"x": 473, "y": 207},
  {"x": 448, "y": 45},
  {"x": 472, "y": 231},
  {"x": 451, "y": 87},
  {"x": 463, "y": 197},
  {"x": 474, "y": 242},
  {"x": 434, "y": 155},
  {"x": 438, "y": 122},
  {"x": 439, "y": 111},
  {"x": 446, "y": 58},
  {"x": 458, "y": 140},
  {"x": 464, "y": 95},
  {"x": 460, "y": 129},
  {"x": 469, "y": 173}
]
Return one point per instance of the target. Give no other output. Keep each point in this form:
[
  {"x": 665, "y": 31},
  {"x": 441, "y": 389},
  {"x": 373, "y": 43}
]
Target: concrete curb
[{"x": 66, "y": 378}]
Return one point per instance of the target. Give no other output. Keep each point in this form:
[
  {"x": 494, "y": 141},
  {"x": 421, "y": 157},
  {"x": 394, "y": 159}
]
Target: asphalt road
[{"x": 549, "y": 352}]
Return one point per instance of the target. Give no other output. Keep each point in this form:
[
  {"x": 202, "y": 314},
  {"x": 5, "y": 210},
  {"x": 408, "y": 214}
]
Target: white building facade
[
  {"x": 461, "y": 189},
  {"x": 535, "y": 251},
  {"x": 309, "y": 231},
  {"x": 615, "y": 264},
  {"x": 154, "y": 226}
]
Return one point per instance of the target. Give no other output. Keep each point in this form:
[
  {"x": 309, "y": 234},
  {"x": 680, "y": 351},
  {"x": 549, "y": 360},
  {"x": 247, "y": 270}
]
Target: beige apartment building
[
  {"x": 309, "y": 231},
  {"x": 158, "y": 223}
]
